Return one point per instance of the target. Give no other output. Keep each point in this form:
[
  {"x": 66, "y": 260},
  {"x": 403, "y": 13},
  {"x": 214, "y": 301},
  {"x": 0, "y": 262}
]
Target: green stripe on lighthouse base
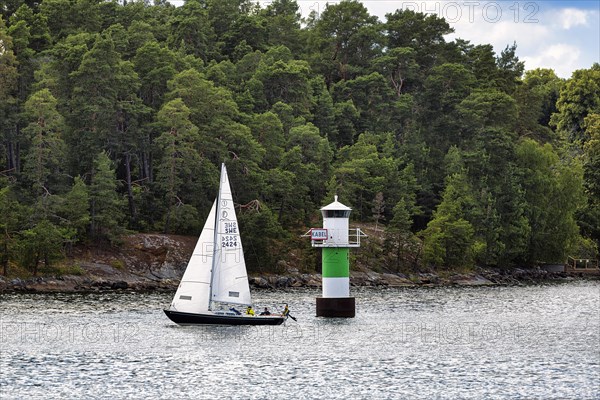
[{"x": 336, "y": 262}]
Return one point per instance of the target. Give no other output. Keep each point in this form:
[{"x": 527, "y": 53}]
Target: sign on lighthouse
[{"x": 336, "y": 238}]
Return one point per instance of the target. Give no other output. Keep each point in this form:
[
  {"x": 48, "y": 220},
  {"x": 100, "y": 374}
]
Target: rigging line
[{"x": 216, "y": 232}]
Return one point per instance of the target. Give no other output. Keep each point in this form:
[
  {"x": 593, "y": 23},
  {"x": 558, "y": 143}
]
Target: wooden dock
[{"x": 582, "y": 266}]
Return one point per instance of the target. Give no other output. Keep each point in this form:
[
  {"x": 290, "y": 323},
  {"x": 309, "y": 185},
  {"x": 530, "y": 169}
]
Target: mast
[{"x": 216, "y": 248}]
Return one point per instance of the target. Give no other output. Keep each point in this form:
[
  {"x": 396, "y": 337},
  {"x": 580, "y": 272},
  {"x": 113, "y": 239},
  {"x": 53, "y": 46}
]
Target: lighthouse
[{"x": 335, "y": 239}]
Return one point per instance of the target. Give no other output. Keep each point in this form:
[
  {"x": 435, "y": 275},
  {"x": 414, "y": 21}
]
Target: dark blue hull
[{"x": 184, "y": 318}]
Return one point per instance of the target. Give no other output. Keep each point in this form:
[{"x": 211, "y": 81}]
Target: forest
[{"x": 115, "y": 117}]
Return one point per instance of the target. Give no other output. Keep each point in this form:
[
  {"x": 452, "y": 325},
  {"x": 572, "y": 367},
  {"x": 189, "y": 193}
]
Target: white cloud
[
  {"x": 563, "y": 39},
  {"x": 561, "y": 57},
  {"x": 571, "y": 17},
  {"x": 501, "y": 33}
]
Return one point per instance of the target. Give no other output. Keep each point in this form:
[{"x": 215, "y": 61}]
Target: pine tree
[
  {"x": 399, "y": 239},
  {"x": 9, "y": 76},
  {"x": 44, "y": 162},
  {"x": 13, "y": 216},
  {"x": 106, "y": 213},
  {"x": 74, "y": 209},
  {"x": 378, "y": 208},
  {"x": 179, "y": 158},
  {"x": 42, "y": 243},
  {"x": 448, "y": 239}
]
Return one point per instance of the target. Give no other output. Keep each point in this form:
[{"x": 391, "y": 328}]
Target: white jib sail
[
  {"x": 193, "y": 294},
  {"x": 230, "y": 279}
]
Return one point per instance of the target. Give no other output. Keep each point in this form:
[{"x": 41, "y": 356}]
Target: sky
[{"x": 561, "y": 35}]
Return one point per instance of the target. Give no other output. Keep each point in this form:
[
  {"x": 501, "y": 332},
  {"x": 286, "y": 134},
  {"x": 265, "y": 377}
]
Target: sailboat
[{"x": 215, "y": 280}]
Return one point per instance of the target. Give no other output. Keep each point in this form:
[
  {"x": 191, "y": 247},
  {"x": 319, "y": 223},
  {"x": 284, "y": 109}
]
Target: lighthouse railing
[{"x": 354, "y": 236}]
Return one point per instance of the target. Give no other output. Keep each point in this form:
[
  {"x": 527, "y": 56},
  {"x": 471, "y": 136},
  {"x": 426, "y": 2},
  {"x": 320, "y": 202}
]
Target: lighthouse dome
[
  {"x": 336, "y": 210},
  {"x": 336, "y": 205}
]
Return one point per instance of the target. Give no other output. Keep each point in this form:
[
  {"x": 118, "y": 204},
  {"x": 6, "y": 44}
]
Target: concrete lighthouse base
[{"x": 344, "y": 307}]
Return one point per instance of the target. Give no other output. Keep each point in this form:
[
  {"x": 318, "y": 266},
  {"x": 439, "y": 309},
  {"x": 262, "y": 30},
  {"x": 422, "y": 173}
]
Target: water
[{"x": 535, "y": 342}]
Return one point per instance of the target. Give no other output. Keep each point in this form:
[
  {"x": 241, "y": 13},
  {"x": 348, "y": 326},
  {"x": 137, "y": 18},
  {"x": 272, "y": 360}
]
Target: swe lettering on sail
[{"x": 231, "y": 228}]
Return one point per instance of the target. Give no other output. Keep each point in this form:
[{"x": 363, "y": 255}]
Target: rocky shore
[
  {"x": 104, "y": 277},
  {"x": 148, "y": 262}
]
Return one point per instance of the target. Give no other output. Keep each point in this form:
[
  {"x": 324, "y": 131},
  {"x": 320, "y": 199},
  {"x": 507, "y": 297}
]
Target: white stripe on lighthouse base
[{"x": 336, "y": 287}]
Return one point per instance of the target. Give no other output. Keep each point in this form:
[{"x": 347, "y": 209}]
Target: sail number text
[{"x": 229, "y": 241}]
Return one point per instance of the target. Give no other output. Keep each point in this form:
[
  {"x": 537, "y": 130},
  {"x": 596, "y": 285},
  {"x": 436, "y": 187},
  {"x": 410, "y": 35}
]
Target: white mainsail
[
  {"x": 230, "y": 279},
  {"x": 193, "y": 293},
  {"x": 217, "y": 270}
]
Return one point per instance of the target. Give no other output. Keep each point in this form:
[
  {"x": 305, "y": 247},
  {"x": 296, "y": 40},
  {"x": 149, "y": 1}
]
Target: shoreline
[
  {"x": 155, "y": 262},
  {"x": 121, "y": 282}
]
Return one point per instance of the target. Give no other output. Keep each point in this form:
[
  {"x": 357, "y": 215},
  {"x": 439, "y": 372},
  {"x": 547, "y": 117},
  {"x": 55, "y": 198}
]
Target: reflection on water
[{"x": 448, "y": 343}]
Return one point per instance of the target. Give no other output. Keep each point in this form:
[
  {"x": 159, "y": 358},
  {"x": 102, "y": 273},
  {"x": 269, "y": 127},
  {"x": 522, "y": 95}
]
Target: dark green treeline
[{"x": 115, "y": 115}]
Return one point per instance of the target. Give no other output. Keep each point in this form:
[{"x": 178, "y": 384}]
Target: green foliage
[
  {"x": 423, "y": 33},
  {"x": 285, "y": 80},
  {"x": 74, "y": 208},
  {"x": 401, "y": 244},
  {"x": 536, "y": 99},
  {"x": 484, "y": 108},
  {"x": 93, "y": 102},
  {"x": 282, "y": 18},
  {"x": 398, "y": 65},
  {"x": 262, "y": 237},
  {"x": 155, "y": 65},
  {"x": 510, "y": 69},
  {"x": 449, "y": 238},
  {"x": 75, "y": 269},
  {"x": 141, "y": 101},
  {"x": 191, "y": 31},
  {"x": 41, "y": 243},
  {"x": 9, "y": 78},
  {"x": 589, "y": 218},
  {"x": 43, "y": 163},
  {"x": 372, "y": 97},
  {"x": 553, "y": 192},
  {"x": 579, "y": 97},
  {"x": 308, "y": 158},
  {"x": 345, "y": 39},
  {"x": 179, "y": 159},
  {"x": 13, "y": 218},
  {"x": 105, "y": 204},
  {"x": 267, "y": 130}
]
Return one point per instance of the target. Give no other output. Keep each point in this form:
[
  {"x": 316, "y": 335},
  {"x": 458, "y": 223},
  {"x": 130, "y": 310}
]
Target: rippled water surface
[{"x": 534, "y": 342}]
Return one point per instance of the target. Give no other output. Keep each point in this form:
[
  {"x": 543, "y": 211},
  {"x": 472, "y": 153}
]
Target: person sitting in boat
[
  {"x": 236, "y": 312},
  {"x": 250, "y": 311},
  {"x": 266, "y": 312}
]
